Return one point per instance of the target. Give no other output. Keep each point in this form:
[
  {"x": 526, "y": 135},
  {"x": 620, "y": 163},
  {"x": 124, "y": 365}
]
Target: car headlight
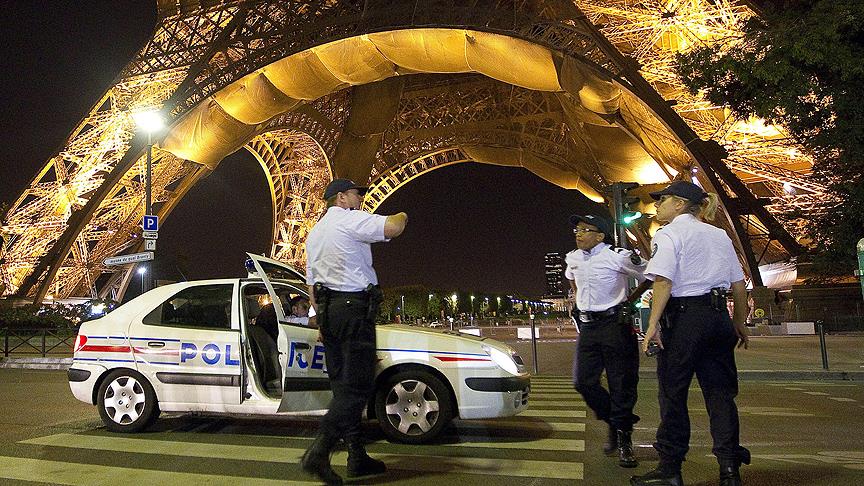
[{"x": 502, "y": 359}]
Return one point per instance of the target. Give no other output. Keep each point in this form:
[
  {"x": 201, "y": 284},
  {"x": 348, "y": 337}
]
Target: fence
[{"x": 40, "y": 342}]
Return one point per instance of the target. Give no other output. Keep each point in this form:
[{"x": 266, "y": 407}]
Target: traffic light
[{"x": 623, "y": 204}]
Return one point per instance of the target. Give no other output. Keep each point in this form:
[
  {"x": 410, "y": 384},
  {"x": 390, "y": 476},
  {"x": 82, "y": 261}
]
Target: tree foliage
[{"x": 800, "y": 66}]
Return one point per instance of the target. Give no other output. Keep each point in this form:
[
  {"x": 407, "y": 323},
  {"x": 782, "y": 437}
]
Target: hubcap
[
  {"x": 124, "y": 400},
  {"x": 412, "y": 407}
]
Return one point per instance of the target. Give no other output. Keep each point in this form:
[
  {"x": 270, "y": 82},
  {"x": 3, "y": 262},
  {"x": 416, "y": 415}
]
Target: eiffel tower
[{"x": 383, "y": 91}]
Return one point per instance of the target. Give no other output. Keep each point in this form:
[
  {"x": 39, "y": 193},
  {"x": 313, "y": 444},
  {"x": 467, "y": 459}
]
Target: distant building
[{"x": 556, "y": 284}]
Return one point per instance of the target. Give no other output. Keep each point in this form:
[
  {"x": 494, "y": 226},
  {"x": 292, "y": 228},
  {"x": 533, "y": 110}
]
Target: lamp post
[
  {"x": 472, "y": 306},
  {"x": 142, "y": 270},
  {"x": 151, "y": 122},
  {"x": 403, "y": 308}
]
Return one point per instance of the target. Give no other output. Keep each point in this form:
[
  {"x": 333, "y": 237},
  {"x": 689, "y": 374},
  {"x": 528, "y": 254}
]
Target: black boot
[
  {"x": 360, "y": 464},
  {"x": 664, "y": 475},
  {"x": 625, "y": 450},
  {"x": 611, "y": 441},
  {"x": 316, "y": 460},
  {"x": 729, "y": 475}
]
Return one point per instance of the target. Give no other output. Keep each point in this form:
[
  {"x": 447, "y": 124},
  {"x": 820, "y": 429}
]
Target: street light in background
[
  {"x": 142, "y": 270},
  {"x": 151, "y": 121},
  {"x": 403, "y": 308},
  {"x": 472, "y": 306}
]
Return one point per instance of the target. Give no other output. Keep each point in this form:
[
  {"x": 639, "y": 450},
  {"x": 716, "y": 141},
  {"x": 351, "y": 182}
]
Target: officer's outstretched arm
[{"x": 395, "y": 225}]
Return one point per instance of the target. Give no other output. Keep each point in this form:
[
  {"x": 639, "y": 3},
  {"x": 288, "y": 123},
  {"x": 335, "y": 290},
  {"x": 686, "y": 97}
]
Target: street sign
[
  {"x": 150, "y": 245},
  {"x": 133, "y": 258},
  {"x": 150, "y": 223},
  {"x": 151, "y": 235}
]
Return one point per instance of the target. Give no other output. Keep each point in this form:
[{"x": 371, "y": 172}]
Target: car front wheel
[
  {"x": 126, "y": 402},
  {"x": 413, "y": 406}
]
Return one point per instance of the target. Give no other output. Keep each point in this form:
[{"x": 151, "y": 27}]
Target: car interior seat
[{"x": 265, "y": 353}]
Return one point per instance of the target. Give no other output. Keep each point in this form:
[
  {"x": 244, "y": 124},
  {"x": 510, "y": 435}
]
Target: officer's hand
[
  {"x": 743, "y": 335},
  {"x": 651, "y": 334}
]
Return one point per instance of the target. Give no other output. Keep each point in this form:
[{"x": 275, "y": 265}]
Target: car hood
[{"x": 400, "y": 336}]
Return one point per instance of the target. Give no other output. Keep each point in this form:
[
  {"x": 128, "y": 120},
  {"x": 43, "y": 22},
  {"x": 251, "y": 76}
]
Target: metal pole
[
  {"x": 820, "y": 325},
  {"x": 148, "y": 188},
  {"x": 534, "y": 346}
]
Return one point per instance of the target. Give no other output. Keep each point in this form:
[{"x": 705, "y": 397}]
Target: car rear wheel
[
  {"x": 126, "y": 402},
  {"x": 413, "y": 406}
]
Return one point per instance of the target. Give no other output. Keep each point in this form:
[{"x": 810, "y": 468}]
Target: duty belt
[
  {"x": 591, "y": 316},
  {"x": 360, "y": 294},
  {"x": 715, "y": 299}
]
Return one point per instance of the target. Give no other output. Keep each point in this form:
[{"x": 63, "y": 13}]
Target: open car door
[{"x": 305, "y": 385}]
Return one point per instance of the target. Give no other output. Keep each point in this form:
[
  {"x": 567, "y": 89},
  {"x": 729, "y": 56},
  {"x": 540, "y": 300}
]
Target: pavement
[{"x": 767, "y": 358}]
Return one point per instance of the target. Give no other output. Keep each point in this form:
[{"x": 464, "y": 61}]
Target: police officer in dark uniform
[
  {"x": 345, "y": 293},
  {"x": 693, "y": 264},
  {"x": 598, "y": 274}
]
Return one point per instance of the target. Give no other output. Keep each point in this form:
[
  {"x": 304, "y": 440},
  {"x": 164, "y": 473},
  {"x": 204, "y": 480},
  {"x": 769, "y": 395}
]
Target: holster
[
  {"x": 322, "y": 298},
  {"x": 718, "y": 298},
  {"x": 376, "y": 296},
  {"x": 625, "y": 315}
]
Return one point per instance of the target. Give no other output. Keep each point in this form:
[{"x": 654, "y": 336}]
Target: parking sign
[{"x": 150, "y": 223}]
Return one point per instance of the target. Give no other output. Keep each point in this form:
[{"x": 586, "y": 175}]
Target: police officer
[
  {"x": 598, "y": 275},
  {"x": 345, "y": 293},
  {"x": 692, "y": 265}
]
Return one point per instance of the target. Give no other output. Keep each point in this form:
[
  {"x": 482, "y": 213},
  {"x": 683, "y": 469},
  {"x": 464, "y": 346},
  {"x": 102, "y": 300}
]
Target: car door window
[{"x": 206, "y": 306}]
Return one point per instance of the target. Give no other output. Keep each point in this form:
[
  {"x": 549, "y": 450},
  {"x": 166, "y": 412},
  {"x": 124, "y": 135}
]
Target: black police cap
[
  {"x": 683, "y": 189},
  {"x": 601, "y": 223},
  {"x": 342, "y": 185}
]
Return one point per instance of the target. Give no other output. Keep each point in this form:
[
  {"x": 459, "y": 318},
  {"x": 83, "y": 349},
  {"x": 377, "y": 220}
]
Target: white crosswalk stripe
[{"x": 548, "y": 425}]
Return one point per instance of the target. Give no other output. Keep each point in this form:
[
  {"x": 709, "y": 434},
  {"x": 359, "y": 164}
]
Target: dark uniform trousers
[
  {"x": 698, "y": 339},
  {"x": 607, "y": 343},
  {"x": 349, "y": 344}
]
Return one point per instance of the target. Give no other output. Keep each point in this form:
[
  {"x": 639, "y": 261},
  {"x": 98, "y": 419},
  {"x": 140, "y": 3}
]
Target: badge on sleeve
[
  {"x": 635, "y": 259},
  {"x": 653, "y": 250}
]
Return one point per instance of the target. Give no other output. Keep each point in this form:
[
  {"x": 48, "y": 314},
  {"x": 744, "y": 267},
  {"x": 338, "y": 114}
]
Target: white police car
[{"x": 204, "y": 346}]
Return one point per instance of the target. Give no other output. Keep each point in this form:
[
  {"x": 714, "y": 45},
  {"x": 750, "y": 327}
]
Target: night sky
[{"x": 471, "y": 226}]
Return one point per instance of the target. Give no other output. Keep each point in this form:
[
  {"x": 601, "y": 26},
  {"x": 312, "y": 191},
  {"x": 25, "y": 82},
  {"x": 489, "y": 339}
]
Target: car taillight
[{"x": 80, "y": 340}]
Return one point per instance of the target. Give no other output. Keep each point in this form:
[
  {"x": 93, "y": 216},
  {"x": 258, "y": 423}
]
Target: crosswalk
[{"x": 543, "y": 445}]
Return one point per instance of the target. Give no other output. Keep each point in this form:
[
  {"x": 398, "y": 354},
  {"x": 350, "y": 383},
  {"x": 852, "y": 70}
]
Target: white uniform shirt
[
  {"x": 338, "y": 249},
  {"x": 695, "y": 256},
  {"x": 303, "y": 321},
  {"x": 601, "y": 275}
]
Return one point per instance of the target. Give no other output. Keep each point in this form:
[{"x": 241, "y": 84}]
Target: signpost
[
  {"x": 860, "y": 248},
  {"x": 133, "y": 258}
]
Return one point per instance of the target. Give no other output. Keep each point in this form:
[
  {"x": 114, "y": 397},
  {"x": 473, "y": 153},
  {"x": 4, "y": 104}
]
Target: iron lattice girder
[
  {"x": 297, "y": 172},
  {"x": 653, "y": 32},
  {"x": 202, "y": 50},
  {"x": 270, "y": 32}
]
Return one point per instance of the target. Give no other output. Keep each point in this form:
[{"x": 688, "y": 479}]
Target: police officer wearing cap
[
  {"x": 598, "y": 274},
  {"x": 693, "y": 264},
  {"x": 345, "y": 294}
]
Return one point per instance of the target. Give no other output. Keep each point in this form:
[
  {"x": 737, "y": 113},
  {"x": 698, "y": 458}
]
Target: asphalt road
[{"x": 806, "y": 433}]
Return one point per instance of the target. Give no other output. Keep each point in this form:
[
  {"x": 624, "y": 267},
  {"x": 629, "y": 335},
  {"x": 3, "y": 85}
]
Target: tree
[{"x": 799, "y": 66}]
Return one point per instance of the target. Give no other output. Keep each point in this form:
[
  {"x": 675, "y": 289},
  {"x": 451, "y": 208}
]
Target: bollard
[
  {"x": 534, "y": 346},
  {"x": 820, "y": 326}
]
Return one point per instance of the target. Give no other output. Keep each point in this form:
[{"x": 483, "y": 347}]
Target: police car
[{"x": 207, "y": 346}]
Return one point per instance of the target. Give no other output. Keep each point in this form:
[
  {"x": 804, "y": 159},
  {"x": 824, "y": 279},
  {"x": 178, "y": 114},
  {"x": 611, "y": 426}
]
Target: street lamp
[
  {"x": 472, "y": 306},
  {"x": 149, "y": 120},
  {"x": 403, "y": 308},
  {"x": 142, "y": 270}
]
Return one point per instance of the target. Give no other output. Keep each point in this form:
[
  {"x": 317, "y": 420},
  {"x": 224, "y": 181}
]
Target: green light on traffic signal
[{"x": 629, "y": 218}]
